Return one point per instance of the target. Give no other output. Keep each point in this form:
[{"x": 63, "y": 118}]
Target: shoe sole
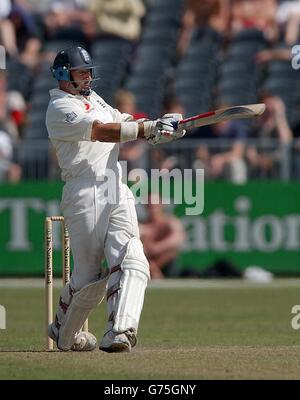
[{"x": 116, "y": 348}]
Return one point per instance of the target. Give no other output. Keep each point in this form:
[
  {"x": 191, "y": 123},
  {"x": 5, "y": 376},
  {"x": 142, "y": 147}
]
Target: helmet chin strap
[{"x": 81, "y": 91}]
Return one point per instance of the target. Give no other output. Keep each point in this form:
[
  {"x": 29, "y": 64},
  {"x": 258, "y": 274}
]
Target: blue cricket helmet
[{"x": 70, "y": 59}]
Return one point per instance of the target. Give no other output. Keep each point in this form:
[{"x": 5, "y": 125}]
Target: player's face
[{"x": 82, "y": 77}]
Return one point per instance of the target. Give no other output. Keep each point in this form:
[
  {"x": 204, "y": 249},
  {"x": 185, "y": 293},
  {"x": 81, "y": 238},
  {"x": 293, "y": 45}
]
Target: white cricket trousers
[{"x": 97, "y": 228}]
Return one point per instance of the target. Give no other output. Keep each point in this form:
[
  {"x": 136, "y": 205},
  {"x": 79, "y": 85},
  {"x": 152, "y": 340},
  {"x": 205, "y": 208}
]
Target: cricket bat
[{"x": 225, "y": 114}]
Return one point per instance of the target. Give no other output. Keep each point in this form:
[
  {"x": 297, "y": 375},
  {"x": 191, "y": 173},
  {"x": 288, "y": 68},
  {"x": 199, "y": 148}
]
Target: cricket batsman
[{"x": 85, "y": 132}]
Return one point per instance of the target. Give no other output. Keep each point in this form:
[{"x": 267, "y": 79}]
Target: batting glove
[{"x": 163, "y": 130}]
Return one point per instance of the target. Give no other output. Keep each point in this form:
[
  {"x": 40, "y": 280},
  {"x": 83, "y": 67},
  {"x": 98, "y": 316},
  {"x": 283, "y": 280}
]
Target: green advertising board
[{"x": 253, "y": 224}]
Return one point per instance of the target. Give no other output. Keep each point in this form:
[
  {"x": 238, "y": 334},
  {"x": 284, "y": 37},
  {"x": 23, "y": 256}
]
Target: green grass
[{"x": 224, "y": 333}]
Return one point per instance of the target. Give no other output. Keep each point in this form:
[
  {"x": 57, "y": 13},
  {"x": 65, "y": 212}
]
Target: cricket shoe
[
  {"x": 84, "y": 341},
  {"x": 113, "y": 342}
]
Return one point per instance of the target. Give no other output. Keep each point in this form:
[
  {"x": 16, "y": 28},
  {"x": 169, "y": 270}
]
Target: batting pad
[
  {"x": 125, "y": 296},
  {"x": 82, "y": 303}
]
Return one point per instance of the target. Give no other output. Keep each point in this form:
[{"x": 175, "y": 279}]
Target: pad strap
[
  {"x": 78, "y": 310},
  {"x": 126, "y": 289}
]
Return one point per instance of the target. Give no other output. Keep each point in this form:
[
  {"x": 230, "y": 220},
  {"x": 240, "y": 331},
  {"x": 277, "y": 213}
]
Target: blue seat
[
  {"x": 249, "y": 35},
  {"x": 242, "y": 51},
  {"x": 58, "y": 45},
  {"x": 110, "y": 50},
  {"x": 160, "y": 34},
  {"x": 156, "y": 18}
]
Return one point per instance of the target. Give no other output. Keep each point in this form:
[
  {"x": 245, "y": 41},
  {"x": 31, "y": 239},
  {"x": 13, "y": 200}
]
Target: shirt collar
[{"x": 61, "y": 93}]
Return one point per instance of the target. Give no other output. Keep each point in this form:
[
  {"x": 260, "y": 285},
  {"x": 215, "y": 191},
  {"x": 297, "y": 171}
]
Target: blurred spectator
[
  {"x": 86, "y": 20},
  {"x": 26, "y": 38},
  {"x": 296, "y": 166},
  {"x": 132, "y": 152},
  {"x": 17, "y": 109},
  {"x": 252, "y": 14},
  {"x": 157, "y": 157},
  {"x": 288, "y": 16},
  {"x": 286, "y": 9},
  {"x": 188, "y": 24},
  {"x": 7, "y": 30},
  {"x": 220, "y": 163},
  {"x": 202, "y": 160},
  {"x": 214, "y": 14},
  {"x": 273, "y": 125},
  {"x": 260, "y": 162},
  {"x": 244, "y": 160},
  {"x": 12, "y": 110},
  {"x": 9, "y": 171},
  {"x": 273, "y": 122},
  {"x": 70, "y": 20},
  {"x": 134, "y": 155},
  {"x": 126, "y": 103},
  {"x": 37, "y": 6},
  {"x": 266, "y": 56},
  {"x": 162, "y": 236},
  {"x": 5, "y": 8},
  {"x": 118, "y": 18},
  {"x": 3, "y": 95},
  {"x": 17, "y": 32},
  {"x": 232, "y": 161}
]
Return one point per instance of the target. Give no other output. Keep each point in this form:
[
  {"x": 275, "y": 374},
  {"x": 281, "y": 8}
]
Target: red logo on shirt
[{"x": 87, "y": 106}]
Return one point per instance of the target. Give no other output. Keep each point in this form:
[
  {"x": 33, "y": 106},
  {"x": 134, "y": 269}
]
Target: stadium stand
[
  {"x": 197, "y": 72},
  {"x": 112, "y": 56},
  {"x": 219, "y": 66},
  {"x": 240, "y": 75},
  {"x": 155, "y": 56}
]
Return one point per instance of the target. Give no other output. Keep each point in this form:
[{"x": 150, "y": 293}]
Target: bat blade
[{"x": 225, "y": 114}]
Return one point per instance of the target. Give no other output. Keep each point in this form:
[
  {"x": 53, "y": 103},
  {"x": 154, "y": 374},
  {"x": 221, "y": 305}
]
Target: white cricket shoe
[
  {"x": 84, "y": 341},
  {"x": 113, "y": 342}
]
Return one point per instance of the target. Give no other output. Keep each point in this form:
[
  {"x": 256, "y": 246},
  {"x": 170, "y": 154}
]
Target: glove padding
[{"x": 164, "y": 129}]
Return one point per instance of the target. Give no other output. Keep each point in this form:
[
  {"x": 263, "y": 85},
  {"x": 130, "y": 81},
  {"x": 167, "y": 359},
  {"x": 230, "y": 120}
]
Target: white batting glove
[
  {"x": 163, "y": 130},
  {"x": 176, "y": 116}
]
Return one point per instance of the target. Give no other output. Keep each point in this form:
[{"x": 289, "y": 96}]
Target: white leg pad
[
  {"x": 126, "y": 289},
  {"x": 78, "y": 310}
]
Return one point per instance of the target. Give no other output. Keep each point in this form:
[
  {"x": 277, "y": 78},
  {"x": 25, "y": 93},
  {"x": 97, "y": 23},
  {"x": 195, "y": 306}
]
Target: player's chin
[{"x": 86, "y": 84}]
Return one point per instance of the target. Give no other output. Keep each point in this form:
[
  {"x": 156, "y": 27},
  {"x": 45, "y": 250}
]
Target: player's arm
[
  {"x": 155, "y": 132},
  {"x": 115, "y": 132}
]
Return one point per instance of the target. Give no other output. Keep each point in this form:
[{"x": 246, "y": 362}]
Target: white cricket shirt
[{"x": 69, "y": 121}]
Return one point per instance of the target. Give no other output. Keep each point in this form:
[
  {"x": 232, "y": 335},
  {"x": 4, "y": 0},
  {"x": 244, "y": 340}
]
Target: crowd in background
[{"x": 26, "y": 25}]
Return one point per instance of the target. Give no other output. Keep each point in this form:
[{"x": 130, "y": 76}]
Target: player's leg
[
  {"x": 129, "y": 275},
  {"x": 88, "y": 281},
  {"x": 72, "y": 312}
]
